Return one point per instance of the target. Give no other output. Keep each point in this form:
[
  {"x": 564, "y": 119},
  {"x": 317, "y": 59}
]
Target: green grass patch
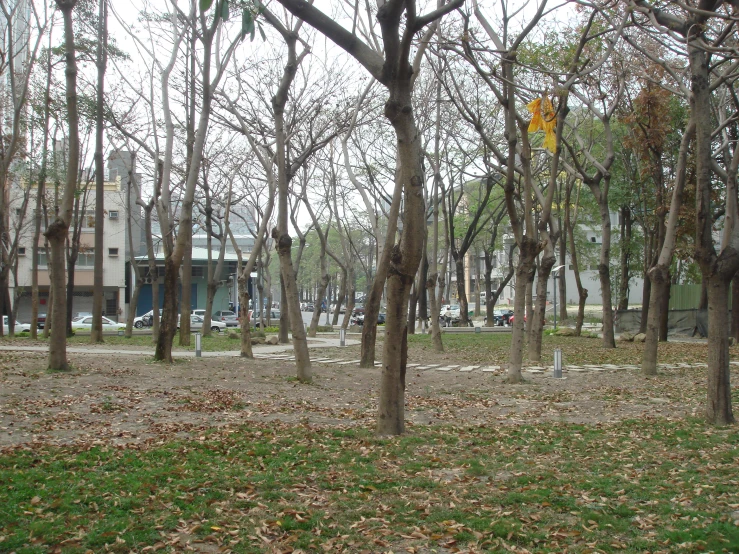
[
  {"x": 632, "y": 486},
  {"x": 473, "y": 348}
]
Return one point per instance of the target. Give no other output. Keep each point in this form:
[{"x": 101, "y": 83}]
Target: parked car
[
  {"x": 146, "y": 320},
  {"x": 19, "y": 327},
  {"x": 199, "y": 312},
  {"x": 359, "y": 319},
  {"x": 274, "y": 316},
  {"x": 309, "y": 308},
  {"x": 86, "y": 323},
  {"x": 196, "y": 324},
  {"x": 501, "y": 317},
  {"x": 41, "y": 321},
  {"x": 227, "y": 317}
]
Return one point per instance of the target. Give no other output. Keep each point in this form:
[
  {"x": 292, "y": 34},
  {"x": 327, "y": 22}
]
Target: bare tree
[
  {"x": 57, "y": 231},
  {"x": 703, "y": 31},
  {"x": 96, "y": 332}
]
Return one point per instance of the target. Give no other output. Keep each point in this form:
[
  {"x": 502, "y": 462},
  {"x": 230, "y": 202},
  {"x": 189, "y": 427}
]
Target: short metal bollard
[
  {"x": 198, "y": 345},
  {"x": 478, "y": 329},
  {"x": 342, "y": 337},
  {"x": 121, "y": 332},
  {"x": 557, "y": 363}
]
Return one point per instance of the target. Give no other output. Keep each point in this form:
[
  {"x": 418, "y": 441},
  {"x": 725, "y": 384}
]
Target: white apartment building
[{"x": 114, "y": 252}]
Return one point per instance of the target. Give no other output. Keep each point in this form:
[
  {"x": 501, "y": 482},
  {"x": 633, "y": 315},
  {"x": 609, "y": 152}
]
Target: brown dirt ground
[{"x": 124, "y": 399}]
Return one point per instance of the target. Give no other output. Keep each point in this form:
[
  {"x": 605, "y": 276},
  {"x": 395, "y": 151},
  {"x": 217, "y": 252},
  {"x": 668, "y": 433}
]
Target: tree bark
[
  {"x": 405, "y": 256},
  {"x": 735, "y": 308},
  {"x": 625, "y": 243},
  {"x": 718, "y": 401},
  {"x": 96, "y": 332},
  {"x": 290, "y": 305},
  {"x": 646, "y": 296},
  {"x": 561, "y": 280},
  {"x": 372, "y": 306},
  {"x": 58, "y": 229},
  {"x": 186, "y": 288},
  {"x": 537, "y": 321},
  {"x": 717, "y": 270},
  {"x": 168, "y": 322},
  {"x": 582, "y": 293},
  {"x": 609, "y": 339},
  {"x": 529, "y": 248},
  {"x": 39, "y": 214}
]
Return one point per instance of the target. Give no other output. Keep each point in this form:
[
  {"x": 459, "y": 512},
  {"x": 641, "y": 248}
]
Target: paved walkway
[{"x": 258, "y": 349}]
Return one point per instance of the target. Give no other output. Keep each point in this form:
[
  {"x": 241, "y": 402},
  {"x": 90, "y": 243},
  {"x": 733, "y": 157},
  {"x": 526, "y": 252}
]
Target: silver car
[{"x": 196, "y": 324}]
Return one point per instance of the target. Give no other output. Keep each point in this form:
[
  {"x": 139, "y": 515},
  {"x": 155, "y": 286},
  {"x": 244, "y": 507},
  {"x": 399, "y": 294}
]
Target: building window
[
  {"x": 572, "y": 267},
  {"x": 112, "y": 252},
  {"x": 21, "y": 250},
  {"x": 592, "y": 239},
  {"x": 198, "y": 271},
  {"x": 18, "y": 212},
  {"x": 113, "y": 214},
  {"x": 86, "y": 258}
]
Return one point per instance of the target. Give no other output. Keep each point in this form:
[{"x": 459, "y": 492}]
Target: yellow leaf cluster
[{"x": 543, "y": 119}]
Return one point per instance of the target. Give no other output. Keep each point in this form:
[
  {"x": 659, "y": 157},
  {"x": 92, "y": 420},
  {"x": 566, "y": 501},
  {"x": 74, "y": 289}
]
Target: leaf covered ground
[{"x": 216, "y": 455}]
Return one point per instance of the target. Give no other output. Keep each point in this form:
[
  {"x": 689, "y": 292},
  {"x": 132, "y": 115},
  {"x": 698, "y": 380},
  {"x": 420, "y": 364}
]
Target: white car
[
  {"x": 86, "y": 323},
  {"x": 19, "y": 327},
  {"x": 196, "y": 324},
  {"x": 145, "y": 320}
]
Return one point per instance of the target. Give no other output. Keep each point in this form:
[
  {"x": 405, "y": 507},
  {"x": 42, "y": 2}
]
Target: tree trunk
[
  {"x": 290, "y": 306},
  {"x": 132, "y": 308},
  {"x": 405, "y": 257},
  {"x": 50, "y": 306},
  {"x": 582, "y": 293},
  {"x": 339, "y": 300},
  {"x": 664, "y": 311},
  {"x": 58, "y": 336},
  {"x": 537, "y": 321},
  {"x": 529, "y": 310},
  {"x": 524, "y": 273},
  {"x": 352, "y": 289},
  {"x": 461, "y": 292},
  {"x": 423, "y": 310},
  {"x": 246, "y": 350},
  {"x": 168, "y": 323},
  {"x": 659, "y": 276},
  {"x": 735, "y": 308},
  {"x": 186, "y": 284},
  {"x": 646, "y": 296},
  {"x": 284, "y": 313},
  {"x": 372, "y": 306},
  {"x": 717, "y": 270},
  {"x": 604, "y": 272},
  {"x": 39, "y": 214},
  {"x": 70, "y": 293},
  {"x": 59, "y": 228},
  {"x": 321, "y": 294},
  {"x": 412, "y": 304},
  {"x": 625, "y": 243},
  {"x": 96, "y": 332},
  {"x": 718, "y": 401},
  {"x": 562, "y": 281}
]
